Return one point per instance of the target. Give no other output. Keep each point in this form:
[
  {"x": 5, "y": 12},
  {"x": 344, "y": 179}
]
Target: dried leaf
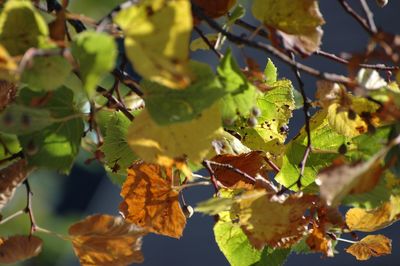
[
  {"x": 358, "y": 219},
  {"x": 372, "y": 245},
  {"x": 10, "y": 178},
  {"x": 18, "y": 248},
  {"x": 150, "y": 200},
  {"x": 250, "y": 163},
  {"x": 317, "y": 241},
  {"x": 285, "y": 224},
  {"x": 107, "y": 240},
  {"x": 8, "y": 92}
]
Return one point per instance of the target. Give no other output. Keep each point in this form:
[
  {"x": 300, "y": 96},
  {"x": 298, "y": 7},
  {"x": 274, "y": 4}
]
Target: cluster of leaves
[{"x": 273, "y": 196}]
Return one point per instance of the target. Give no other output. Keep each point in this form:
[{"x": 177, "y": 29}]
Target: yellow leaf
[
  {"x": 106, "y": 240},
  {"x": 299, "y": 20},
  {"x": 11, "y": 177},
  {"x": 150, "y": 200},
  {"x": 358, "y": 219},
  {"x": 8, "y": 67},
  {"x": 272, "y": 221},
  {"x": 372, "y": 245},
  {"x": 191, "y": 139},
  {"x": 157, "y": 35},
  {"x": 18, "y": 248}
]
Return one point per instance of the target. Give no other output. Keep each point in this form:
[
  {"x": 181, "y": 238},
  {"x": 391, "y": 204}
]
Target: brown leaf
[
  {"x": 372, "y": 245},
  {"x": 215, "y": 8},
  {"x": 57, "y": 27},
  {"x": 8, "y": 91},
  {"x": 10, "y": 178},
  {"x": 272, "y": 221},
  {"x": 107, "y": 240},
  {"x": 150, "y": 200},
  {"x": 250, "y": 163},
  {"x": 18, "y": 248},
  {"x": 358, "y": 219},
  {"x": 318, "y": 241}
]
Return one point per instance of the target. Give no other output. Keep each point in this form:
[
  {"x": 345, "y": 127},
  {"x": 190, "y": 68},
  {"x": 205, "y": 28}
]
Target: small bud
[
  {"x": 342, "y": 149},
  {"x": 382, "y": 3},
  {"x": 252, "y": 121},
  {"x": 187, "y": 210}
]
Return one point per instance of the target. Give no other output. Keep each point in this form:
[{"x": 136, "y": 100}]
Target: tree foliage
[{"x": 157, "y": 125}]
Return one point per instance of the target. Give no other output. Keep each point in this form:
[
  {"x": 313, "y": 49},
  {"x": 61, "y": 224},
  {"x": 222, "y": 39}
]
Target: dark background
[{"x": 60, "y": 200}]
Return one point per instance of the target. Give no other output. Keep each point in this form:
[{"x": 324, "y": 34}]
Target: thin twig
[
  {"x": 370, "y": 16},
  {"x": 28, "y": 208},
  {"x": 272, "y": 165},
  {"x": 128, "y": 81},
  {"x": 356, "y": 16},
  {"x": 12, "y": 216},
  {"x": 195, "y": 184},
  {"x": 12, "y": 157},
  {"x": 213, "y": 180},
  {"x": 114, "y": 102},
  {"x": 270, "y": 50},
  {"x": 207, "y": 41}
]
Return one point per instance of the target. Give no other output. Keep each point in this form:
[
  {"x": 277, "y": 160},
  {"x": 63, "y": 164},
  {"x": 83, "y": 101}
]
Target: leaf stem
[
  {"x": 12, "y": 216},
  {"x": 345, "y": 240}
]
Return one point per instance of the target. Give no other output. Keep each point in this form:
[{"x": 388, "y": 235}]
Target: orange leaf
[
  {"x": 11, "y": 177},
  {"x": 18, "y": 248},
  {"x": 250, "y": 163},
  {"x": 107, "y": 240},
  {"x": 272, "y": 221},
  {"x": 317, "y": 241},
  {"x": 150, "y": 201},
  {"x": 372, "y": 245}
]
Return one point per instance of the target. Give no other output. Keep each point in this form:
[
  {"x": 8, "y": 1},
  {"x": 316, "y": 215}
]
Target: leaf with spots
[{"x": 371, "y": 246}]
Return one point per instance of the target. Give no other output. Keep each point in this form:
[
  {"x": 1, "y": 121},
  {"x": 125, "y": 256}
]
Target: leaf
[
  {"x": 250, "y": 163},
  {"x": 11, "y": 177},
  {"x": 371, "y": 246},
  {"x": 370, "y": 79},
  {"x": 271, "y": 73},
  {"x": 20, "y": 120},
  {"x": 234, "y": 243},
  {"x": 318, "y": 242},
  {"x": 9, "y": 145},
  {"x": 106, "y": 240},
  {"x": 300, "y": 20},
  {"x": 273, "y": 257},
  {"x": 157, "y": 35},
  {"x": 118, "y": 154},
  {"x": 8, "y": 70},
  {"x": 200, "y": 44},
  {"x": 340, "y": 179},
  {"x": 95, "y": 54},
  {"x": 151, "y": 202},
  {"x": 215, "y": 8},
  {"x": 55, "y": 146},
  {"x": 46, "y": 73},
  {"x": 21, "y": 27},
  {"x": 363, "y": 220},
  {"x": 19, "y": 248},
  {"x": 183, "y": 105},
  {"x": 285, "y": 225},
  {"x": 153, "y": 143},
  {"x": 241, "y": 97}
]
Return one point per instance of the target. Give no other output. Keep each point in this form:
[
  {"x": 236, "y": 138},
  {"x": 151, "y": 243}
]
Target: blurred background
[{"x": 59, "y": 201}]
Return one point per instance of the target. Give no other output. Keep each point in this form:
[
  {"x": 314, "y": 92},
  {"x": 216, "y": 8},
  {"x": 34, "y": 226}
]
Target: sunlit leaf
[
  {"x": 21, "y": 27},
  {"x": 8, "y": 69},
  {"x": 371, "y": 246},
  {"x": 299, "y": 20},
  {"x": 18, "y": 248},
  {"x": 151, "y": 202},
  {"x": 319, "y": 242},
  {"x": 152, "y": 142},
  {"x": 157, "y": 35},
  {"x": 95, "y": 54},
  {"x": 363, "y": 220},
  {"x": 107, "y": 240}
]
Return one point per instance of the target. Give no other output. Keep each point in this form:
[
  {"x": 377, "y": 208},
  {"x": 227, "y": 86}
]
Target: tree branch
[{"x": 356, "y": 16}]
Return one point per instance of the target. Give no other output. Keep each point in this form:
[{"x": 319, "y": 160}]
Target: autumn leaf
[
  {"x": 371, "y": 246},
  {"x": 157, "y": 35},
  {"x": 12, "y": 177},
  {"x": 191, "y": 139},
  {"x": 299, "y": 21},
  {"x": 8, "y": 68},
  {"x": 150, "y": 201},
  {"x": 18, "y": 248},
  {"x": 215, "y": 8},
  {"x": 319, "y": 242},
  {"x": 250, "y": 163},
  {"x": 358, "y": 219},
  {"x": 8, "y": 92},
  {"x": 106, "y": 240},
  {"x": 286, "y": 221}
]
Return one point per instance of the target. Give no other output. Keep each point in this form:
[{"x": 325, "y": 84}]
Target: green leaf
[
  {"x": 242, "y": 94},
  {"x": 57, "y": 145},
  {"x": 271, "y": 73},
  {"x": 183, "y": 105},
  {"x": 20, "y": 120},
  {"x": 46, "y": 73},
  {"x": 21, "y": 27},
  {"x": 234, "y": 243},
  {"x": 96, "y": 54},
  {"x": 236, "y": 14},
  {"x": 366, "y": 145},
  {"x": 273, "y": 257},
  {"x": 118, "y": 154},
  {"x": 9, "y": 145}
]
